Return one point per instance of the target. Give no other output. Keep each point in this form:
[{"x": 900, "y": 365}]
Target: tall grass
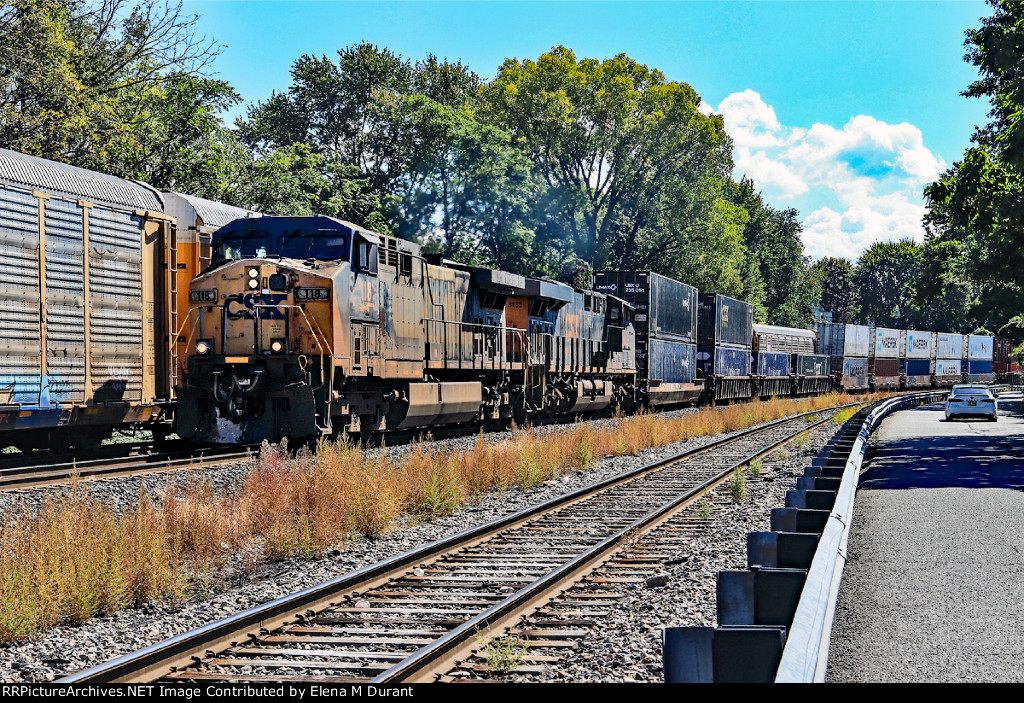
[{"x": 76, "y": 558}]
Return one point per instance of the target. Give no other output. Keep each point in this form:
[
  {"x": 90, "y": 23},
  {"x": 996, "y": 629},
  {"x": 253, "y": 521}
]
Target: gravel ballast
[
  {"x": 625, "y": 646},
  {"x": 67, "y": 649}
]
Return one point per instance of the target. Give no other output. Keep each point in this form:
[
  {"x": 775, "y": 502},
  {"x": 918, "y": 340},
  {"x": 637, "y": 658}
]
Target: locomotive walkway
[{"x": 933, "y": 589}]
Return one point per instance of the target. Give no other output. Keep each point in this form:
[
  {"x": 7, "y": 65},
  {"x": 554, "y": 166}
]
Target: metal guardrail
[
  {"x": 775, "y": 618},
  {"x": 805, "y": 656}
]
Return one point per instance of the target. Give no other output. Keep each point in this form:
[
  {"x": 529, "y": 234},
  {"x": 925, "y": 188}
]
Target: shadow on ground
[{"x": 966, "y": 459}]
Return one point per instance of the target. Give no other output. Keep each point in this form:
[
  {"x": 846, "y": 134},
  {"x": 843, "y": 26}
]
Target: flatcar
[{"x": 95, "y": 269}]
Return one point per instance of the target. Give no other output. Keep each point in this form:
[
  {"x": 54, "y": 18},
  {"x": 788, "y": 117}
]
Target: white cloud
[
  {"x": 775, "y": 178},
  {"x": 875, "y": 171},
  {"x": 749, "y": 120}
]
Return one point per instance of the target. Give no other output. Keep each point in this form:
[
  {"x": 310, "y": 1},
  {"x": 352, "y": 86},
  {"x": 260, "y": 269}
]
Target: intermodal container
[
  {"x": 916, "y": 345},
  {"x": 886, "y": 343},
  {"x": 723, "y": 361},
  {"x": 671, "y": 362},
  {"x": 1002, "y": 349},
  {"x": 664, "y": 308},
  {"x": 855, "y": 371},
  {"x": 724, "y": 322},
  {"x": 772, "y": 364},
  {"x": 979, "y": 348},
  {"x": 949, "y": 346},
  {"x": 884, "y": 367},
  {"x": 979, "y": 367},
  {"x": 948, "y": 367},
  {"x": 916, "y": 367},
  {"x": 810, "y": 365},
  {"x": 838, "y": 340}
]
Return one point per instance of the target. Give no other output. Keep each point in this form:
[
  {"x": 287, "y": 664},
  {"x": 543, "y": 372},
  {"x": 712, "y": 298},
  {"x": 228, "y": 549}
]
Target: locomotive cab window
[
  {"x": 234, "y": 248},
  {"x": 322, "y": 244},
  {"x": 365, "y": 256}
]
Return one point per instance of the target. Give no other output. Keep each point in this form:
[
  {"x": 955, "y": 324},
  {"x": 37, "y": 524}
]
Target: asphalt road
[{"x": 934, "y": 586}]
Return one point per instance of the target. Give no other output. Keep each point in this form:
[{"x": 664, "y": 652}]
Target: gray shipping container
[
  {"x": 839, "y": 340},
  {"x": 854, "y": 370},
  {"x": 664, "y": 308},
  {"x": 724, "y": 322}
]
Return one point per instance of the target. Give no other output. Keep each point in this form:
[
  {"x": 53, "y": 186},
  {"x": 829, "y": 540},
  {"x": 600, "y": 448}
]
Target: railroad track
[
  {"x": 41, "y": 475},
  {"x": 415, "y": 616}
]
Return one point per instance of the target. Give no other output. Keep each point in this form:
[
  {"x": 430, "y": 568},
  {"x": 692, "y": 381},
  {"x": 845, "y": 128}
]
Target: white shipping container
[
  {"x": 887, "y": 343},
  {"x": 947, "y": 367},
  {"x": 843, "y": 340},
  {"x": 919, "y": 345},
  {"x": 979, "y": 348},
  {"x": 949, "y": 346}
]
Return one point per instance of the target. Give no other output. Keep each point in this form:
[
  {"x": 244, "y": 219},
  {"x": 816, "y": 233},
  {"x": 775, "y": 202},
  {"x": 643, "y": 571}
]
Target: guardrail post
[
  {"x": 722, "y": 655},
  {"x": 789, "y": 550},
  {"x": 762, "y": 612}
]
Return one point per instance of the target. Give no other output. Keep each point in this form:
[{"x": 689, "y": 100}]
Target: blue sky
[{"x": 841, "y": 110}]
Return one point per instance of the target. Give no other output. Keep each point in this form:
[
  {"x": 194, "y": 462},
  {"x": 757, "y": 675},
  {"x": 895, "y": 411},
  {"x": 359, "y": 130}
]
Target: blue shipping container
[
  {"x": 723, "y": 361},
  {"x": 772, "y": 364},
  {"x": 916, "y": 367},
  {"x": 979, "y": 366},
  {"x": 671, "y": 362}
]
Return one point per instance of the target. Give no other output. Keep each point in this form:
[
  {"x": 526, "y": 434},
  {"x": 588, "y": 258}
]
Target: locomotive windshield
[
  {"x": 320, "y": 245},
  {"x": 231, "y": 248},
  {"x": 301, "y": 243}
]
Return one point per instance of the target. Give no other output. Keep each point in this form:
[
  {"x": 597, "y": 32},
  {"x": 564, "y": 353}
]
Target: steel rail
[
  {"x": 164, "y": 657},
  {"x": 49, "y": 474},
  {"x": 435, "y": 659}
]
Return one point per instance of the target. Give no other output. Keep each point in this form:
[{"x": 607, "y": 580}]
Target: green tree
[
  {"x": 773, "y": 240},
  {"x": 976, "y": 209},
  {"x": 613, "y": 140},
  {"x": 885, "y": 278},
  {"x": 112, "y": 86},
  {"x": 838, "y": 291}
]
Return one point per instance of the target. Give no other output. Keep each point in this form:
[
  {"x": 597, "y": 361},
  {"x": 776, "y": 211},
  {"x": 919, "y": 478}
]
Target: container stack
[
  {"x": 665, "y": 321},
  {"x": 847, "y": 347},
  {"x": 724, "y": 334},
  {"x": 949, "y": 352},
  {"x": 979, "y": 358},
  {"x": 1002, "y": 357},
  {"x": 916, "y": 362},
  {"x": 884, "y": 358}
]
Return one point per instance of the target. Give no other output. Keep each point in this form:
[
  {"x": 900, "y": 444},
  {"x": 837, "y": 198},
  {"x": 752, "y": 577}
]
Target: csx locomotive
[{"x": 308, "y": 325}]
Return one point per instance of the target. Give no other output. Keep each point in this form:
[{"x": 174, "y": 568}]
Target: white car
[{"x": 971, "y": 400}]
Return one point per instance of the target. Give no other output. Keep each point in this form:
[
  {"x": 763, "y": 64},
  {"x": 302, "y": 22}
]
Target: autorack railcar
[{"x": 88, "y": 302}]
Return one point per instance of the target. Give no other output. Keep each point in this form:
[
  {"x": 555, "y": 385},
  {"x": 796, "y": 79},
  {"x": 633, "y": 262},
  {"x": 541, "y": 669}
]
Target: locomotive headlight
[
  {"x": 254, "y": 283},
  {"x": 277, "y": 345},
  {"x": 203, "y": 347},
  {"x": 254, "y": 273}
]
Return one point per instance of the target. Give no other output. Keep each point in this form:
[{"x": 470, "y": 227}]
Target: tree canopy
[
  {"x": 976, "y": 209},
  {"x": 558, "y": 166}
]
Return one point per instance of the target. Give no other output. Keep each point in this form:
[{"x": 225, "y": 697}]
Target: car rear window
[{"x": 972, "y": 394}]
